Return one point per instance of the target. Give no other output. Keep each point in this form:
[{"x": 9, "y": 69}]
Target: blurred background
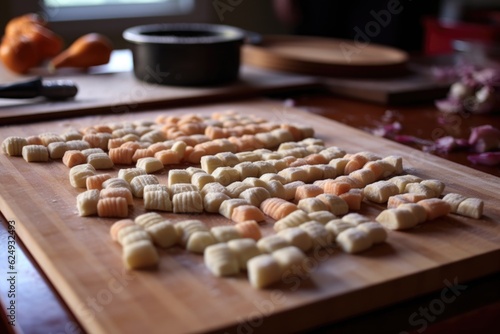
[{"x": 417, "y": 26}]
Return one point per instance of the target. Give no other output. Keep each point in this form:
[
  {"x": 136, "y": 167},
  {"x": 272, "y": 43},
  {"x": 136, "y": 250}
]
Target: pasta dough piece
[
  {"x": 100, "y": 161},
  {"x": 118, "y": 192},
  {"x": 354, "y": 240},
  {"x": 318, "y": 233},
  {"x": 236, "y": 188},
  {"x": 149, "y": 164},
  {"x": 454, "y": 200},
  {"x": 396, "y": 162},
  {"x": 416, "y": 209},
  {"x": 226, "y": 175},
  {"x": 255, "y": 196},
  {"x": 139, "y": 182},
  {"x": 291, "y": 257},
  {"x": 380, "y": 191},
  {"x": 307, "y": 191},
  {"x": 86, "y": 202},
  {"x": 130, "y": 234},
  {"x": 322, "y": 217},
  {"x": 313, "y": 173},
  {"x": 96, "y": 181},
  {"x": 397, "y": 219},
  {"x": 311, "y": 205},
  {"x": 226, "y": 208},
  {"x": 228, "y": 159},
  {"x": 275, "y": 189},
  {"x": 243, "y": 213},
  {"x": 117, "y": 226},
  {"x": 263, "y": 270},
  {"x": 112, "y": 207},
  {"x": 225, "y": 233},
  {"x": 244, "y": 250},
  {"x": 294, "y": 219},
  {"x": 435, "y": 207},
  {"x": 403, "y": 180},
  {"x": 13, "y": 146},
  {"x": 375, "y": 231},
  {"x": 176, "y": 176},
  {"x": 201, "y": 179},
  {"x": 334, "y": 204},
  {"x": 187, "y": 228},
  {"x": 90, "y": 151},
  {"x": 79, "y": 173},
  {"x": 121, "y": 155},
  {"x": 247, "y": 169},
  {"x": 35, "y": 153},
  {"x": 292, "y": 174},
  {"x": 291, "y": 189},
  {"x": 249, "y": 229},
  {"x": 265, "y": 168},
  {"x": 210, "y": 163},
  {"x": 271, "y": 243},
  {"x": 277, "y": 208},
  {"x": 355, "y": 218},
  {"x": 220, "y": 260},
  {"x": 214, "y": 187},
  {"x": 181, "y": 188},
  {"x": 272, "y": 177},
  {"x": 420, "y": 189},
  {"x": 353, "y": 198},
  {"x": 297, "y": 237},
  {"x": 339, "y": 165},
  {"x": 187, "y": 202},
  {"x": 435, "y": 185},
  {"x": 147, "y": 219},
  {"x": 116, "y": 183},
  {"x": 254, "y": 182},
  {"x": 332, "y": 152},
  {"x": 364, "y": 176},
  {"x": 395, "y": 201},
  {"x": 471, "y": 207},
  {"x": 72, "y": 158},
  {"x": 199, "y": 241},
  {"x": 157, "y": 200},
  {"x": 213, "y": 201},
  {"x": 57, "y": 149},
  {"x": 155, "y": 187},
  {"x": 161, "y": 231},
  {"x": 128, "y": 174},
  {"x": 336, "y": 226},
  {"x": 140, "y": 254}
]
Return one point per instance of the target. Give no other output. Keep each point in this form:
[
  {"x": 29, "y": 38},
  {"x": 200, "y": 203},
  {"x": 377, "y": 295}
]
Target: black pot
[{"x": 186, "y": 54}]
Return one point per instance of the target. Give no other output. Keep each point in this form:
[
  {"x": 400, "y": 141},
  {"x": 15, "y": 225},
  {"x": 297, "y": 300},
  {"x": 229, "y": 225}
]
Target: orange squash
[
  {"x": 19, "y": 54},
  {"x": 89, "y": 50}
]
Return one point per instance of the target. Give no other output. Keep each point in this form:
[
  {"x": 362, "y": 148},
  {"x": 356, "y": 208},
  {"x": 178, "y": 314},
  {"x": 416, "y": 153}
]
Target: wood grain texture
[{"x": 85, "y": 266}]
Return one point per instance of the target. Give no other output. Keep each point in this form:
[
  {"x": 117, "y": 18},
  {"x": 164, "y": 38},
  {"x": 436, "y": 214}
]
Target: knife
[{"x": 50, "y": 89}]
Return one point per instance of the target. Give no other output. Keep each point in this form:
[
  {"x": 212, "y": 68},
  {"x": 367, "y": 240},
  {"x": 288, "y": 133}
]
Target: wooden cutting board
[
  {"x": 115, "y": 91},
  {"x": 325, "y": 57},
  {"x": 85, "y": 267}
]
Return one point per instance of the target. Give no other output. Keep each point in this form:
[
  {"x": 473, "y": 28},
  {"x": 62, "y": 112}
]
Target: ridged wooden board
[{"x": 85, "y": 266}]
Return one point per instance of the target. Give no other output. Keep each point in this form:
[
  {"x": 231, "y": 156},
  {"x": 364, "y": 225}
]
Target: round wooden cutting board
[{"x": 325, "y": 57}]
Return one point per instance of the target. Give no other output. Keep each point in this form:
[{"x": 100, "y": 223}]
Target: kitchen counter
[{"x": 41, "y": 310}]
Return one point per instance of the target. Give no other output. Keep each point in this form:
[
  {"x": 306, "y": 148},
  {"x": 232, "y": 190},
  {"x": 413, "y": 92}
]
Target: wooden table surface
[{"x": 40, "y": 310}]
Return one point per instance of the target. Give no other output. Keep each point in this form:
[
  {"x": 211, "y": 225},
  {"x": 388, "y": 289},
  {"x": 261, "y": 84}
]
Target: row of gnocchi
[
  {"x": 230, "y": 249},
  {"x": 129, "y": 148}
]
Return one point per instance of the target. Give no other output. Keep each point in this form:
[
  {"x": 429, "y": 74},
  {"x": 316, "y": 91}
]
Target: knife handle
[{"x": 52, "y": 90}]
